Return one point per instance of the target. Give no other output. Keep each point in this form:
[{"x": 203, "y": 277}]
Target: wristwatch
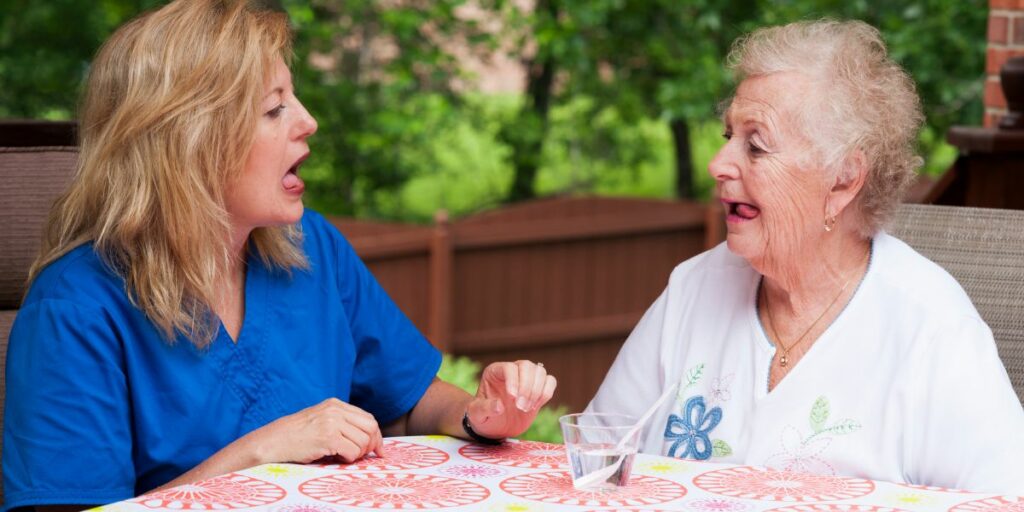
[{"x": 474, "y": 436}]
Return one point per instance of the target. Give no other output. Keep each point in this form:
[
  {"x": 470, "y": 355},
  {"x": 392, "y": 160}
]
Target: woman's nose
[
  {"x": 306, "y": 124},
  {"x": 723, "y": 166}
]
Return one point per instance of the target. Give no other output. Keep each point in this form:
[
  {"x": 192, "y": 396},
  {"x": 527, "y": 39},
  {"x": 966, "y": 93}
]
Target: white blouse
[{"x": 904, "y": 386}]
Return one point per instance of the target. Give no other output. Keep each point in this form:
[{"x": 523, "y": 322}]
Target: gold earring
[{"x": 830, "y": 222}]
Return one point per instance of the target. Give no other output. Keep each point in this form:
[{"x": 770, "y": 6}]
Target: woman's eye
[
  {"x": 275, "y": 112},
  {"x": 727, "y": 135},
  {"x": 755, "y": 149}
]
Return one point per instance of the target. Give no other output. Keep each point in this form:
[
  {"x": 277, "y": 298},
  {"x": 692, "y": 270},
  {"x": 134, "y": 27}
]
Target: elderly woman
[
  {"x": 187, "y": 317},
  {"x": 812, "y": 340}
]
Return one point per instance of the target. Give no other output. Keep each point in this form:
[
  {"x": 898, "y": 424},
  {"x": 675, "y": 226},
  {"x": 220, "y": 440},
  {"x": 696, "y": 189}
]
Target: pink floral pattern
[
  {"x": 518, "y": 454},
  {"x": 305, "y": 508},
  {"x": 834, "y": 507},
  {"x": 629, "y": 510},
  {"x": 398, "y": 456},
  {"x": 556, "y": 487},
  {"x": 995, "y": 504},
  {"x": 933, "y": 488},
  {"x": 719, "y": 392},
  {"x": 473, "y": 471},
  {"x": 443, "y": 473},
  {"x": 229, "y": 491},
  {"x": 394, "y": 490},
  {"x": 718, "y": 505},
  {"x": 767, "y": 484}
]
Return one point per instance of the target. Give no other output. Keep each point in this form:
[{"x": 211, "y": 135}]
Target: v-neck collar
[
  {"x": 255, "y": 303},
  {"x": 241, "y": 363},
  {"x": 769, "y": 347}
]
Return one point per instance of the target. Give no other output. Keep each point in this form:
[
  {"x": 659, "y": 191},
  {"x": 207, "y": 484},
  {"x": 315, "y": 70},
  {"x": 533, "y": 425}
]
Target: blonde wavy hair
[
  {"x": 166, "y": 123},
  {"x": 865, "y": 101}
]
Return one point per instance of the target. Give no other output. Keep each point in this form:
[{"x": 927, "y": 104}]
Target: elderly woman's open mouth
[{"x": 738, "y": 211}]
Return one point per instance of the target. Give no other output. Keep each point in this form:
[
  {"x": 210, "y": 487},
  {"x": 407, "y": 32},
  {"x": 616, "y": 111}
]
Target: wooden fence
[{"x": 561, "y": 281}]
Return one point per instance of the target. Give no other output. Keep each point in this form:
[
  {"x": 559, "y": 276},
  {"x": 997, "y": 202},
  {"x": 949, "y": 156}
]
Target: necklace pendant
[{"x": 783, "y": 361}]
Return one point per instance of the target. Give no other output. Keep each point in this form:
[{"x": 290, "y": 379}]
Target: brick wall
[{"x": 1005, "y": 40}]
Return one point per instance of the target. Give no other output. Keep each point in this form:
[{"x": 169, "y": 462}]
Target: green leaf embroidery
[
  {"x": 819, "y": 414},
  {"x": 694, "y": 374},
  {"x": 844, "y": 427},
  {"x": 720, "y": 448}
]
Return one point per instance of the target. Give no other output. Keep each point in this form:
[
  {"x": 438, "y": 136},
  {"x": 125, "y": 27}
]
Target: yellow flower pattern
[
  {"x": 280, "y": 470},
  {"x": 662, "y": 467}
]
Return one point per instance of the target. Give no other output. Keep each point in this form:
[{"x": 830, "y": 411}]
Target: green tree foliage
[
  {"x": 664, "y": 59},
  {"x": 380, "y": 77},
  {"x": 660, "y": 59},
  {"x": 536, "y": 34},
  {"x": 46, "y": 47},
  {"x": 940, "y": 43},
  {"x": 395, "y": 106}
]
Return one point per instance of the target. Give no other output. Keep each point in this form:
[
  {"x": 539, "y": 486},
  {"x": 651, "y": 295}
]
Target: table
[{"x": 438, "y": 472}]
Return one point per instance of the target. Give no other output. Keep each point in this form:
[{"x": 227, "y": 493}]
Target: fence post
[
  {"x": 440, "y": 284},
  {"x": 714, "y": 224}
]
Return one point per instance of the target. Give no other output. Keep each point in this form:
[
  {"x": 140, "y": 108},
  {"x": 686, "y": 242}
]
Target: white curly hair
[{"x": 865, "y": 101}]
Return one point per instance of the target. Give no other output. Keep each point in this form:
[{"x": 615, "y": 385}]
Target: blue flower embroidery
[{"x": 691, "y": 431}]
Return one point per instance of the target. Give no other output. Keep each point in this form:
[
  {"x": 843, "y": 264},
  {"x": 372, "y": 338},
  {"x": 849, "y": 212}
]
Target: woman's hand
[
  {"x": 331, "y": 428},
  {"x": 509, "y": 396}
]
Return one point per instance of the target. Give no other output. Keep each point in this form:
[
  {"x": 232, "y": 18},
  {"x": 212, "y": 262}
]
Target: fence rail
[{"x": 561, "y": 281}]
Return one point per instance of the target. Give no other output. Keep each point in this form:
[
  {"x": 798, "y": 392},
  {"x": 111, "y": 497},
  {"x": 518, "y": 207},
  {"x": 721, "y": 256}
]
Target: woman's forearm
[
  {"x": 439, "y": 411},
  {"x": 243, "y": 453}
]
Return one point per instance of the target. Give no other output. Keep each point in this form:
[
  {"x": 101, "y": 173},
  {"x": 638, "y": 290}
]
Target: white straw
[{"x": 602, "y": 474}]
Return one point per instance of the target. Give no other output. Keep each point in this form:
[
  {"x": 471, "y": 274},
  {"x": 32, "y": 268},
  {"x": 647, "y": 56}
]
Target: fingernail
[{"x": 521, "y": 404}]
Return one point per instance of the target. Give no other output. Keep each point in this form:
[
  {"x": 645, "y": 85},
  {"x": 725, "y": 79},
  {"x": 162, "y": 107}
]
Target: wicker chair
[
  {"x": 30, "y": 180},
  {"x": 984, "y": 250}
]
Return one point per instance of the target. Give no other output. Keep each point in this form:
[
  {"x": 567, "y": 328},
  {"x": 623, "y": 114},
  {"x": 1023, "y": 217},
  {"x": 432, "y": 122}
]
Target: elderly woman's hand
[
  {"x": 509, "y": 396},
  {"x": 331, "y": 428}
]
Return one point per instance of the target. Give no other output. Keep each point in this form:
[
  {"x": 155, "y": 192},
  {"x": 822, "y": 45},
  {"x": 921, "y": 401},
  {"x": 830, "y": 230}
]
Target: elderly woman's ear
[{"x": 847, "y": 184}]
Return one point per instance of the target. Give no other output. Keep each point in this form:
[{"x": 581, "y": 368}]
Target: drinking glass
[{"x": 594, "y": 442}]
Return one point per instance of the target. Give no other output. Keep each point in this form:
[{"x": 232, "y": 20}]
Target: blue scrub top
[{"x": 101, "y": 408}]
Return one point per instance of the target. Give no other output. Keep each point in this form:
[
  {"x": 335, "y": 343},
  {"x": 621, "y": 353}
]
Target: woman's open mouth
[
  {"x": 737, "y": 211},
  {"x": 291, "y": 181}
]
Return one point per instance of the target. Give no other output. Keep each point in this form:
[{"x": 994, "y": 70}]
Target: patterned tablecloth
[{"x": 437, "y": 472}]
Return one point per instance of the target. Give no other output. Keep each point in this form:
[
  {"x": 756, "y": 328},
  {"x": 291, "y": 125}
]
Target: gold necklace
[{"x": 784, "y": 360}]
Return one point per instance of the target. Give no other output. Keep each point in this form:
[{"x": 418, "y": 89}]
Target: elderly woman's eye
[
  {"x": 727, "y": 135},
  {"x": 755, "y": 149}
]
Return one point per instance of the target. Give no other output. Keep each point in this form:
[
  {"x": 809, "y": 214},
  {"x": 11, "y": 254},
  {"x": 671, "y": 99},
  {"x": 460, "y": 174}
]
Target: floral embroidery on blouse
[
  {"x": 804, "y": 453},
  {"x": 690, "y": 433},
  {"x": 691, "y": 430},
  {"x": 719, "y": 392}
]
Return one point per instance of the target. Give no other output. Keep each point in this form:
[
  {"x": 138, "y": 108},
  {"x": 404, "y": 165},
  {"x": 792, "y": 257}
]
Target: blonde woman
[
  {"x": 187, "y": 317},
  {"x": 811, "y": 340}
]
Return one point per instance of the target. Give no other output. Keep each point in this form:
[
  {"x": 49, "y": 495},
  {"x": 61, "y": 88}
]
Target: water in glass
[{"x": 587, "y": 458}]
